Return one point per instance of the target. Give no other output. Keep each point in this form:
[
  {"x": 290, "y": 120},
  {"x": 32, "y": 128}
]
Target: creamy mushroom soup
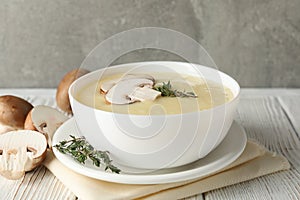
[{"x": 207, "y": 94}]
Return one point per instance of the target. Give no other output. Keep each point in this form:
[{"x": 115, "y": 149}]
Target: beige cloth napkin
[{"x": 255, "y": 161}]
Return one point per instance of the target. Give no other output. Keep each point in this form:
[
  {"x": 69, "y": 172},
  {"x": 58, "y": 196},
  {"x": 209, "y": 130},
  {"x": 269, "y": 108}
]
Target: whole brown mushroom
[
  {"x": 62, "y": 96},
  {"x": 13, "y": 112}
]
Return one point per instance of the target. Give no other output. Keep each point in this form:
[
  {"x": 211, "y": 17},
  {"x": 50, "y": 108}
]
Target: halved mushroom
[
  {"x": 127, "y": 91},
  {"x": 21, "y": 151},
  {"x": 13, "y": 112},
  {"x": 62, "y": 95},
  {"x": 106, "y": 86},
  {"x": 46, "y": 120}
]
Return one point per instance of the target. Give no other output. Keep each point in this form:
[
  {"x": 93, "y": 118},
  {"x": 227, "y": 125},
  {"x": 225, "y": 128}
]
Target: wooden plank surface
[
  {"x": 274, "y": 122},
  {"x": 272, "y": 117}
]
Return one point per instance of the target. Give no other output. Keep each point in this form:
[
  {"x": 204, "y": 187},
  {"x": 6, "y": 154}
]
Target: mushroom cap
[
  {"x": 21, "y": 151},
  {"x": 13, "y": 112},
  {"x": 62, "y": 96}
]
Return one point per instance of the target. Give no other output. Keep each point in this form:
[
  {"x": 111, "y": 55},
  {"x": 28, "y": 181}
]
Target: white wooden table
[{"x": 271, "y": 116}]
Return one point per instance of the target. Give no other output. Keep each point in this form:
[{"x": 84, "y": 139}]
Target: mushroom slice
[
  {"x": 46, "y": 120},
  {"x": 144, "y": 93},
  {"x": 107, "y": 85},
  {"x": 119, "y": 93},
  {"x": 21, "y": 151},
  {"x": 13, "y": 112}
]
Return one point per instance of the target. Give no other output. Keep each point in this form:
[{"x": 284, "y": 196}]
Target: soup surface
[{"x": 209, "y": 94}]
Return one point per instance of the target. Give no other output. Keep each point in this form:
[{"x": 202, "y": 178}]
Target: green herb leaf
[
  {"x": 81, "y": 150},
  {"x": 167, "y": 91}
]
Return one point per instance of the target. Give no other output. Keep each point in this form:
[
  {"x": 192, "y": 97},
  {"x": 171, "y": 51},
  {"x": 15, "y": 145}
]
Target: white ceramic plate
[{"x": 227, "y": 152}]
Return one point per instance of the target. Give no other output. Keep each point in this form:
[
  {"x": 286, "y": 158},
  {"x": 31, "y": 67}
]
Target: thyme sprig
[
  {"x": 81, "y": 150},
  {"x": 167, "y": 91}
]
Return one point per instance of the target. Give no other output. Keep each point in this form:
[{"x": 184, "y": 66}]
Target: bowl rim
[{"x": 235, "y": 98}]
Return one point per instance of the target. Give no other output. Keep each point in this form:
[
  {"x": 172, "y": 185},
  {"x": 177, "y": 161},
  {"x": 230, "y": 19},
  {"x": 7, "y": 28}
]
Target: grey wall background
[{"x": 257, "y": 42}]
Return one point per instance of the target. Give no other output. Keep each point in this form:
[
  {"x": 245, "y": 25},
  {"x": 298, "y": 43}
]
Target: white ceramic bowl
[{"x": 155, "y": 141}]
